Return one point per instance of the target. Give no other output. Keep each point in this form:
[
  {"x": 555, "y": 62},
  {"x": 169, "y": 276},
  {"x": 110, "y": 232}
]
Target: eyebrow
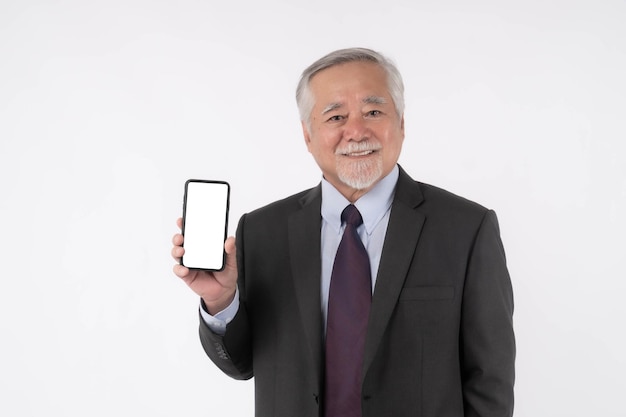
[
  {"x": 374, "y": 100},
  {"x": 331, "y": 107},
  {"x": 366, "y": 100}
]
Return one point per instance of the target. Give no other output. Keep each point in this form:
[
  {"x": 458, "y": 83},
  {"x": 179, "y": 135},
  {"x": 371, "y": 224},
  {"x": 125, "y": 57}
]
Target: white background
[{"x": 107, "y": 107}]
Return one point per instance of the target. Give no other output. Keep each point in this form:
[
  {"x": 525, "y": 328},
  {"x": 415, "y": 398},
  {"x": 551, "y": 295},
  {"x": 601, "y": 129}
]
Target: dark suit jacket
[{"x": 440, "y": 337}]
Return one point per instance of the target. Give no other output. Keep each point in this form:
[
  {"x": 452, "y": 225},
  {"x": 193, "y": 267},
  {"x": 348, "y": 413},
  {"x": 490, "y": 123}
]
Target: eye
[
  {"x": 335, "y": 118},
  {"x": 373, "y": 113}
]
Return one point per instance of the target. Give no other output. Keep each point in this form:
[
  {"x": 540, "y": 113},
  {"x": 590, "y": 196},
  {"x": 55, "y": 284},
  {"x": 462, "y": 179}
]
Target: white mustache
[{"x": 358, "y": 148}]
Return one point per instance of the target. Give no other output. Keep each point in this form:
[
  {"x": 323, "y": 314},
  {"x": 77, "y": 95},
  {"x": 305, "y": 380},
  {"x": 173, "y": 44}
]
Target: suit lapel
[
  {"x": 305, "y": 254},
  {"x": 403, "y": 231},
  {"x": 398, "y": 251}
]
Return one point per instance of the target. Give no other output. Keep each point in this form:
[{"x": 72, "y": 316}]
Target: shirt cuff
[{"x": 218, "y": 322}]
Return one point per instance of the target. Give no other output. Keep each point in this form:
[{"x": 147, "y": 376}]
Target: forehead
[{"x": 350, "y": 79}]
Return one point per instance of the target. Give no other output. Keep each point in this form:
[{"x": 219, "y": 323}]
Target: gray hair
[{"x": 304, "y": 96}]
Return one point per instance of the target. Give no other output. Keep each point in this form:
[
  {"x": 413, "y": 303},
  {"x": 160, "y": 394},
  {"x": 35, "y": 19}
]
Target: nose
[{"x": 355, "y": 129}]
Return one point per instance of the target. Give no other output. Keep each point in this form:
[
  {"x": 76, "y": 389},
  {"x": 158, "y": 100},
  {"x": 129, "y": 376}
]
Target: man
[{"x": 437, "y": 338}]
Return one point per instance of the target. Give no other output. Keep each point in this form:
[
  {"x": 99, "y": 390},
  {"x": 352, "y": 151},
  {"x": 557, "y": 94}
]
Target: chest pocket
[{"x": 427, "y": 293}]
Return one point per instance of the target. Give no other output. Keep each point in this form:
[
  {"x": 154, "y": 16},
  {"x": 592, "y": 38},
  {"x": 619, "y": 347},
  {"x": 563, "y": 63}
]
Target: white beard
[{"x": 360, "y": 174}]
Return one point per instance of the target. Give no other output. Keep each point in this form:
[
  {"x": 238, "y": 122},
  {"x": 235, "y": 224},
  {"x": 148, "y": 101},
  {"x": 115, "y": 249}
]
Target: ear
[{"x": 306, "y": 134}]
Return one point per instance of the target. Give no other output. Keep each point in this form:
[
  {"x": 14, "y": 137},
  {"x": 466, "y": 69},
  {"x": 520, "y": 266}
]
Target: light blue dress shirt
[{"x": 375, "y": 207}]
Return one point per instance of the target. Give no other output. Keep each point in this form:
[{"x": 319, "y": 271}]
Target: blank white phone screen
[{"x": 204, "y": 226}]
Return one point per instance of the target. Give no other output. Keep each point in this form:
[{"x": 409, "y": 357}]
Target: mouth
[{"x": 357, "y": 154}]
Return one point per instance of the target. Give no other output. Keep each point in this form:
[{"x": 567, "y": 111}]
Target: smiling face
[{"x": 354, "y": 134}]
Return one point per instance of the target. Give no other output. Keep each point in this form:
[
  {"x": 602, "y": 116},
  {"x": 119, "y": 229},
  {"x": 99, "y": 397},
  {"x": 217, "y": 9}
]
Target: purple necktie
[{"x": 349, "y": 302}]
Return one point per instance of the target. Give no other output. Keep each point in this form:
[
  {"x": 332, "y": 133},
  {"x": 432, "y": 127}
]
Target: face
[{"x": 354, "y": 134}]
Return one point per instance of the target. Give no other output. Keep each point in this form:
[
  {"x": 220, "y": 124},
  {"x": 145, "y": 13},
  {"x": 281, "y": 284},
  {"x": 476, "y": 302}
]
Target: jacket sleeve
[
  {"x": 487, "y": 340},
  {"x": 232, "y": 352}
]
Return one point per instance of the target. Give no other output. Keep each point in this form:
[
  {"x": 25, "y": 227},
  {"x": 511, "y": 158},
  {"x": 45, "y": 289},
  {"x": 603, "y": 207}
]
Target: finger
[
  {"x": 180, "y": 271},
  {"x": 179, "y": 222},
  {"x": 178, "y": 239},
  {"x": 178, "y": 252}
]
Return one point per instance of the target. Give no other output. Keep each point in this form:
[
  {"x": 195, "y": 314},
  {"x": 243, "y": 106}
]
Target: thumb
[{"x": 230, "y": 248}]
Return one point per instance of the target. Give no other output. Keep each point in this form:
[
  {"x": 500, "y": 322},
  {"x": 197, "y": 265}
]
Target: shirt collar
[{"x": 372, "y": 206}]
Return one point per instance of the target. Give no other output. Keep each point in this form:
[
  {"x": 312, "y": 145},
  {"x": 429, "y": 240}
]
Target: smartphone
[{"x": 205, "y": 224}]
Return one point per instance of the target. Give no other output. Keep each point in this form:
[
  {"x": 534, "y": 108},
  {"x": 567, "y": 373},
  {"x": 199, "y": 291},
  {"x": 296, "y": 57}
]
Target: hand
[{"x": 217, "y": 288}]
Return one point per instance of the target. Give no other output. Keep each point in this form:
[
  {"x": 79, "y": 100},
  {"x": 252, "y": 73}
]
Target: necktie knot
[{"x": 350, "y": 215}]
